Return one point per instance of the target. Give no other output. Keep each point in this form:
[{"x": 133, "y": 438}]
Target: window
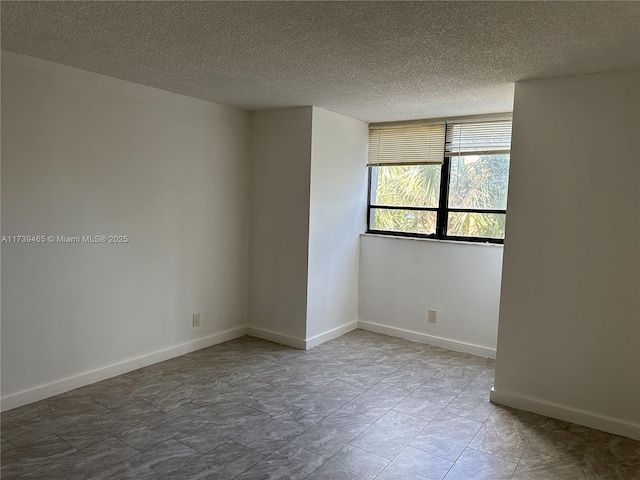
[{"x": 444, "y": 180}]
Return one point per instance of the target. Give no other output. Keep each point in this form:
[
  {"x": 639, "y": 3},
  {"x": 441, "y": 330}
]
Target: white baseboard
[
  {"x": 599, "y": 422},
  {"x": 276, "y": 337},
  {"x": 86, "y": 378},
  {"x": 428, "y": 339},
  {"x": 331, "y": 334}
]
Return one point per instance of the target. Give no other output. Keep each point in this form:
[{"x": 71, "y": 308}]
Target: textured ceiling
[{"x": 377, "y": 61}]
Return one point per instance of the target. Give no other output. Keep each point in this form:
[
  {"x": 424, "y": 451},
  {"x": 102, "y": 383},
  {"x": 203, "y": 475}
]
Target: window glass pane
[
  {"x": 406, "y": 185},
  {"x": 487, "y": 225},
  {"x": 408, "y": 221},
  {"x": 479, "y": 181}
]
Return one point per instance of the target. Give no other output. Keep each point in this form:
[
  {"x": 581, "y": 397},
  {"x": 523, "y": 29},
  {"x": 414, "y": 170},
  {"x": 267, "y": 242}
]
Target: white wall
[
  {"x": 569, "y": 336},
  {"x": 336, "y": 218},
  {"x": 402, "y": 279},
  {"x": 280, "y": 182},
  {"x": 85, "y": 154}
]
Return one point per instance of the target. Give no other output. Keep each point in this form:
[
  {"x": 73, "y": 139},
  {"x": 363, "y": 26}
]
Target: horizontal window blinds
[
  {"x": 485, "y": 138},
  {"x": 410, "y": 145}
]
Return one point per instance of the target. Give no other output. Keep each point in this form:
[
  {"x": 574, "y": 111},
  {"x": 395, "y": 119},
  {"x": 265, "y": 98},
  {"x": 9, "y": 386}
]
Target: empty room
[{"x": 320, "y": 240}]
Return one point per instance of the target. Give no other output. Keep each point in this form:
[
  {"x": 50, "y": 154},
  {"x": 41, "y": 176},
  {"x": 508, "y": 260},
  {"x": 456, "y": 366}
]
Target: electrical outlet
[
  {"x": 433, "y": 316},
  {"x": 196, "y": 319}
]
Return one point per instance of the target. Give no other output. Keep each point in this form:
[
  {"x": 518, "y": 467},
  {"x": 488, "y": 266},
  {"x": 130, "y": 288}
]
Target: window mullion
[{"x": 442, "y": 219}]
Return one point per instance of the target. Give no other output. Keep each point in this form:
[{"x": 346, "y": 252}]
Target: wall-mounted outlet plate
[
  {"x": 196, "y": 319},
  {"x": 433, "y": 316}
]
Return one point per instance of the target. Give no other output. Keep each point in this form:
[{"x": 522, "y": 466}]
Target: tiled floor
[{"x": 362, "y": 406}]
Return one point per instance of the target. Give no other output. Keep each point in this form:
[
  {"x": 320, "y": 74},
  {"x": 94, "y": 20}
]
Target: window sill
[{"x": 434, "y": 240}]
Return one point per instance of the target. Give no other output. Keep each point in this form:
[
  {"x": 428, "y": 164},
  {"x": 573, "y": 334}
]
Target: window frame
[{"x": 442, "y": 210}]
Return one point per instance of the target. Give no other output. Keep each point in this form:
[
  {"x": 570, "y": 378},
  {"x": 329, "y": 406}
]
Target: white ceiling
[{"x": 376, "y": 61}]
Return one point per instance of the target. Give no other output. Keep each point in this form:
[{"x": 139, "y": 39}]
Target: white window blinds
[
  {"x": 483, "y": 138},
  {"x": 409, "y": 145}
]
